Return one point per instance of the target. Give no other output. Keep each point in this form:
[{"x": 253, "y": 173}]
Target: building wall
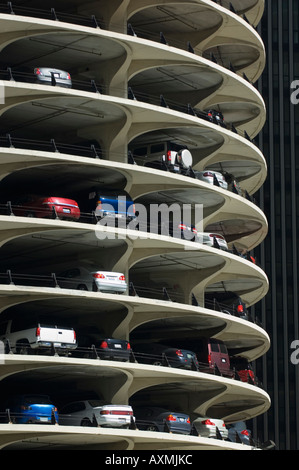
[{"x": 280, "y": 200}]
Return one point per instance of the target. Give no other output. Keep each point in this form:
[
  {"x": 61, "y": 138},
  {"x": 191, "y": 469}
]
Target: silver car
[
  {"x": 207, "y": 427},
  {"x": 51, "y": 76},
  {"x": 212, "y": 177},
  {"x": 208, "y": 238},
  {"x": 95, "y": 413}
]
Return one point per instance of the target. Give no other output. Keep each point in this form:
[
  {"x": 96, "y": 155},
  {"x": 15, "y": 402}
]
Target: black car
[
  {"x": 114, "y": 349},
  {"x": 154, "y": 418},
  {"x": 105, "y": 348},
  {"x": 160, "y": 355},
  {"x": 216, "y": 117}
]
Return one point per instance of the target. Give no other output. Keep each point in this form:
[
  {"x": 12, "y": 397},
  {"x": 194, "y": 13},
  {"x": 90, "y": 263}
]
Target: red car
[
  {"x": 243, "y": 369},
  {"x": 47, "y": 207}
]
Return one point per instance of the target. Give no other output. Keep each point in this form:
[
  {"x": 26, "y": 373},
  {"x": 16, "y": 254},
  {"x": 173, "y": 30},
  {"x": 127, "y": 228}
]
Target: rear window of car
[
  {"x": 73, "y": 407},
  {"x": 23, "y": 323},
  {"x": 223, "y": 348},
  {"x": 37, "y": 399}
]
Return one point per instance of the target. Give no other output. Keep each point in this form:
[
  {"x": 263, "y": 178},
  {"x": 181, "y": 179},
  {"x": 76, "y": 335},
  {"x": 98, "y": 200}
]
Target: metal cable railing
[
  {"x": 161, "y": 360},
  {"x": 91, "y": 86}
]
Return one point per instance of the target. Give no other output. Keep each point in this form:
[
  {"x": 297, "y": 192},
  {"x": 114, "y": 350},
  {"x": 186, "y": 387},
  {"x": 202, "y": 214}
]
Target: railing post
[
  {"x": 9, "y": 275},
  {"x": 10, "y": 8},
  {"x": 53, "y": 15}
]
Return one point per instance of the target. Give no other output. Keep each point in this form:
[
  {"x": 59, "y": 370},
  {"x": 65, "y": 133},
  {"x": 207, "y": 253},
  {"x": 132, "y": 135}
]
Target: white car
[
  {"x": 83, "y": 279},
  {"x": 208, "y": 238},
  {"x": 107, "y": 281},
  {"x": 95, "y": 413},
  {"x": 212, "y": 177},
  {"x": 207, "y": 427}
]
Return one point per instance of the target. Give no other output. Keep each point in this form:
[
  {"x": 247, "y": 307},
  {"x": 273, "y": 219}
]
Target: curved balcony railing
[
  {"x": 93, "y": 22},
  {"x": 8, "y": 417},
  {"x": 92, "y": 87},
  {"x": 162, "y": 360},
  {"x": 163, "y": 293},
  {"x": 92, "y": 218},
  {"x": 94, "y": 151}
]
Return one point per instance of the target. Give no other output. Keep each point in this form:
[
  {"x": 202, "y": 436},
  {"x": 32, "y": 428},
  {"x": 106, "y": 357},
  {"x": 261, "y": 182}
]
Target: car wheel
[
  {"x": 23, "y": 348},
  {"x": 85, "y": 422},
  {"x": 151, "y": 427},
  {"x": 82, "y": 287},
  {"x": 94, "y": 287}
]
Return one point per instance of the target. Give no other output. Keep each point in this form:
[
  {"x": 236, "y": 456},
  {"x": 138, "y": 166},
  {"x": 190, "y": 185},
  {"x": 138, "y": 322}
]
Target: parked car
[
  {"x": 213, "y": 356},
  {"x": 238, "y": 432},
  {"x": 108, "y": 348},
  {"x": 182, "y": 231},
  {"x": 167, "y": 156},
  {"x": 52, "y": 76},
  {"x": 30, "y": 337},
  {"x": 96, "y": 413},
  {"x": 175, "y": 162},
  {"x": 243, "y": 368},
  {"x": 152, "y": 418},
  {"x": 32, "y": 409},
  {"x": 83, "y": 279},
  {"x": 108, "y": 281},
  {"x": 115, "y": 207},
  {"x": 212, "y": 177},
  {"x": 209, "y": 427},
  {"x": 212, "y": 239},
  {"x": 46, "y": 207},
  {"x": 227, "y": 302},
  {"x": 216, "y": 117},
  {"x": 159, "y": 355}
]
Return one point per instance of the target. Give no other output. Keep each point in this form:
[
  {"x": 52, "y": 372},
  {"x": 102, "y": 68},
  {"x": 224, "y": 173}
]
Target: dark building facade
[{"x": 279, "y": 198}]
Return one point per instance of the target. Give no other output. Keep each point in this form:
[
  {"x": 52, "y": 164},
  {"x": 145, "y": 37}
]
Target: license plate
[
  {"x": 57, "y": 344},
  {"x": 223, "y": 360},
  {"x": 44, "y": 419},
  {"x": 181, "y": 420},
  {"x": 56, "y": 75},
  {"x": 66, "y": 210},
  {"x": 117, "y": 346}
]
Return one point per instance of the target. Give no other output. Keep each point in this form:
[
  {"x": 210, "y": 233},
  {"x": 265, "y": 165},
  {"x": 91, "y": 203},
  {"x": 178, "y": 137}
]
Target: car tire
[
  {"x": 157, "y": 363},
  {"x": 152, "y": 427},
  {"x": 82, "y": 287},
  {"x": 86, "y": 422},
  {"x": 23, "y": 347}
]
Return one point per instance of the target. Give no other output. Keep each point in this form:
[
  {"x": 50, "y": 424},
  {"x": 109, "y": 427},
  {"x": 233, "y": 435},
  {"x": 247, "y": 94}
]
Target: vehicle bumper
[{"x": 110, "y": 287}]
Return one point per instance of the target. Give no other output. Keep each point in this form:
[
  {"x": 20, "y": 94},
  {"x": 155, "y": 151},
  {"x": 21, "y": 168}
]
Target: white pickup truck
[{"x": 37, "y": 337}]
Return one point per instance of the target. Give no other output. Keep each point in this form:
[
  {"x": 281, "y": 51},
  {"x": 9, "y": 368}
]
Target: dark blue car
[
  {"x": 116, "y": 206},
  {"x": 32, "y": 409}
]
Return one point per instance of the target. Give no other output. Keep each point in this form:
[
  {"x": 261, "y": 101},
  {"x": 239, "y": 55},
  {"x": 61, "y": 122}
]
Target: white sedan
[
  {"x": 212, "y": 177},
  {"x": 83, "y": 279},
  {"x": 108, "y": 281},
  {"x": 207, "y": 427},
  {"x": 95, "y": 413},
  {"x": 212, "y": 239}
]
